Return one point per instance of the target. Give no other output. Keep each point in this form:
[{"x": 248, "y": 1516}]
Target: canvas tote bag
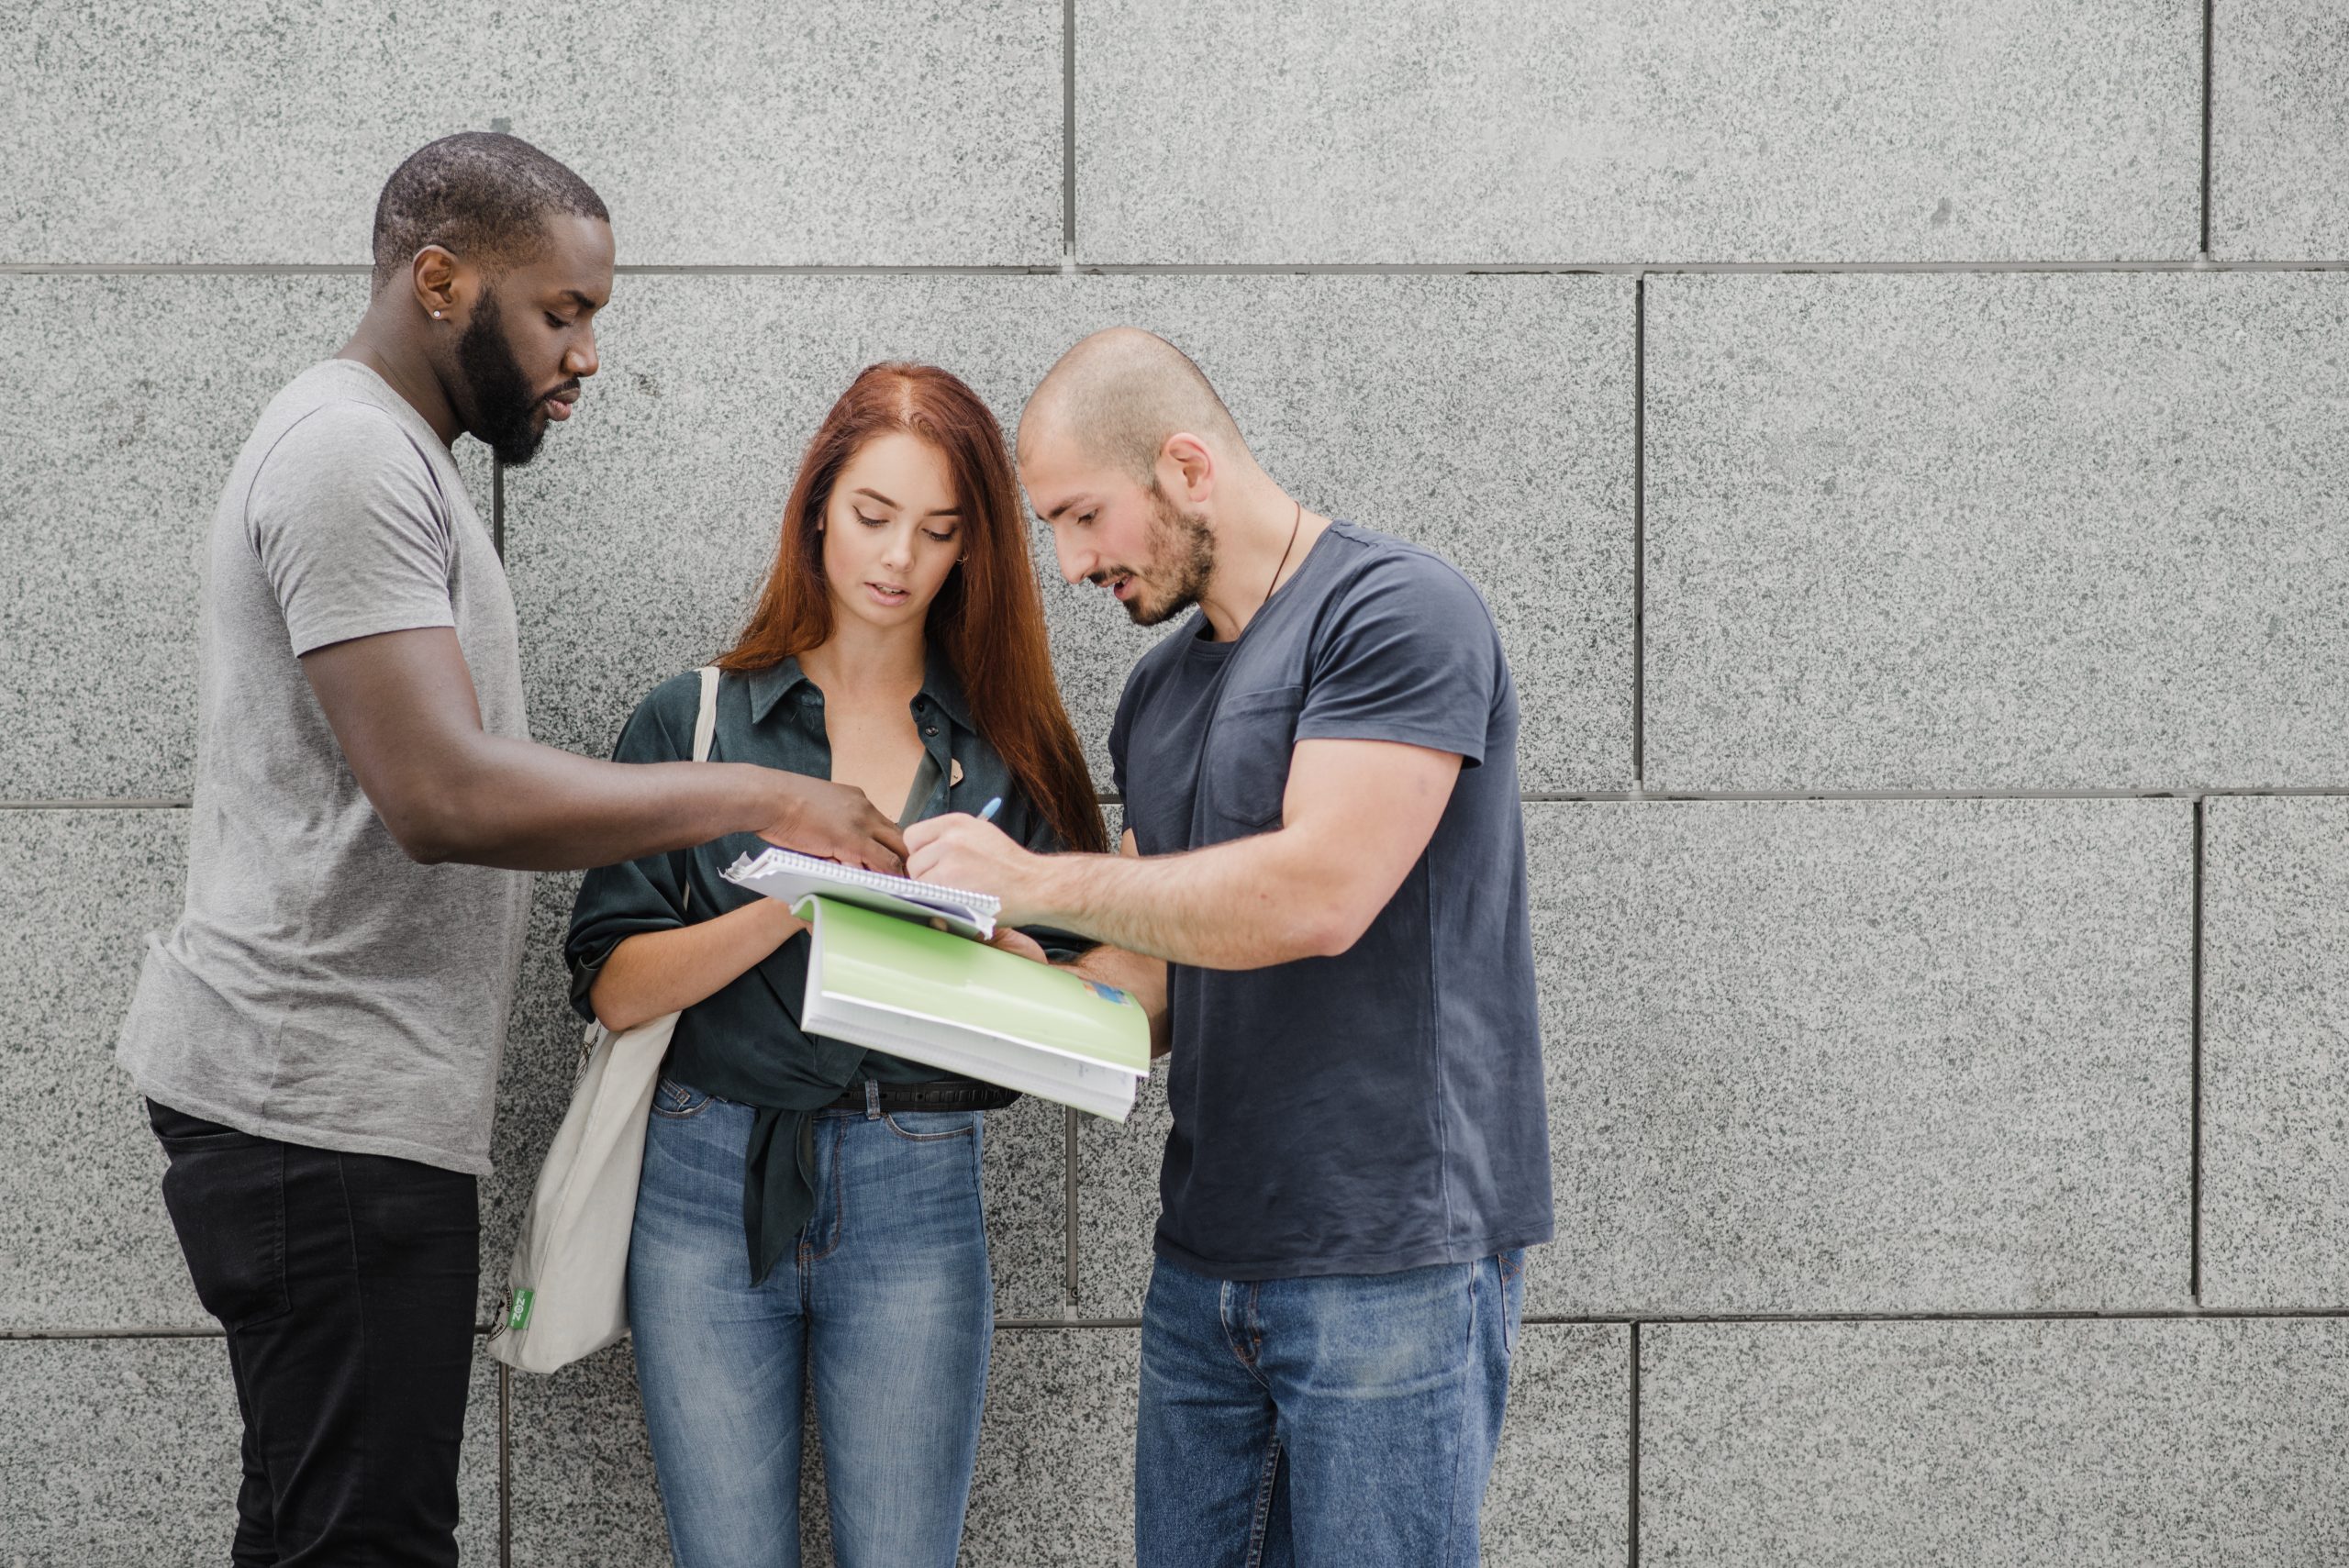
[{"x": 568, "y": 1286}]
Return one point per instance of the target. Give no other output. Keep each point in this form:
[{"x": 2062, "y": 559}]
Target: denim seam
[
  {"x": 889, "y": 1119},
  {"x": 1263, "y": 1510},
  {"x": 840, "y": 1199}
]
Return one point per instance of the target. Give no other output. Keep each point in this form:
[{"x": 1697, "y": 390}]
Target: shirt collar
[{"x": 776, "y": 681}]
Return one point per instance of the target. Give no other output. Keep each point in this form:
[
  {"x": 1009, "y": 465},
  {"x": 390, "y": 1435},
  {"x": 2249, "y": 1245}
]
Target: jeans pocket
[
  {"x": 677, "y": 1101},
  {"x": 225, "y": 1193},
  {"x": 930, "y": 1127}
]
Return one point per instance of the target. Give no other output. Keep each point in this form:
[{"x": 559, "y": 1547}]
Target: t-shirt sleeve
[
  {"x": 616, "y": 903},
  {"x": 1410, "y": 656},
  {"x": 350, "y": 529}
]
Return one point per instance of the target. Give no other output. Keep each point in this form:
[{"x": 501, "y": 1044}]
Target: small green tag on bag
[{"x": 521, "y": 1319}]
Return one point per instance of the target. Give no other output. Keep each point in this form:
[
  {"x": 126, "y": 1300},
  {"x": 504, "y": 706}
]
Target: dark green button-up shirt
[{"x": 743, "y": 1042}]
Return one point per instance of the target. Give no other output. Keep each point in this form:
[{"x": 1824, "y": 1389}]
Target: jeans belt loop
[{"x": 872, "y": 1100}]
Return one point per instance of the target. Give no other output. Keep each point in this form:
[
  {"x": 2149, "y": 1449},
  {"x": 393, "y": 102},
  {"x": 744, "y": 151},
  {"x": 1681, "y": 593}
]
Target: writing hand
[{"x": 959, "y": 851}]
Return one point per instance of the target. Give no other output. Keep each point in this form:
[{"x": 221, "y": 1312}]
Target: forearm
[
  {"x": 1139, "y": 975},
  {"x": 659, "y": 971},
  {"x": 531, "y": 807},
  {"x": 1247, "y": 904}
]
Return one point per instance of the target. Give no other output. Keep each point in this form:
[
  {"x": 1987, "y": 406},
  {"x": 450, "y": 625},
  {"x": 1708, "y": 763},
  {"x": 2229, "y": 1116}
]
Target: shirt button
[{"x": 930, "y": 729}]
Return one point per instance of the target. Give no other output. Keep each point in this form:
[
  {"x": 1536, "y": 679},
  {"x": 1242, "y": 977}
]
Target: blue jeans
[
  {"x": 1347, "y": 1421},
  {"x": 886, "y": 1298}
]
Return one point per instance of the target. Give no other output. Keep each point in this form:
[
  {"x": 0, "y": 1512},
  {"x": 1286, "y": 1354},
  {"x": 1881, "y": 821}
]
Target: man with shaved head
[{"x": 1322, "y": 888}]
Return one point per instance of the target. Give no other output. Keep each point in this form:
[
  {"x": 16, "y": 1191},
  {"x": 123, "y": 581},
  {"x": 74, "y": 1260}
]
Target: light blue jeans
[
  {"x": 1347, "y": 1421},
  {"x": 885, "y": 1296}
]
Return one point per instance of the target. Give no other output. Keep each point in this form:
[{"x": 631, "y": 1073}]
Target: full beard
[{"x": 504, "y": 412}]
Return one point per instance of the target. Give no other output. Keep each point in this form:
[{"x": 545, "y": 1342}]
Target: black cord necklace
[{"x": 1274, "y": 586}]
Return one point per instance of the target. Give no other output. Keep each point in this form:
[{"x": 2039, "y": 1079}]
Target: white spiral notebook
[{"x": 791, "y": 876}]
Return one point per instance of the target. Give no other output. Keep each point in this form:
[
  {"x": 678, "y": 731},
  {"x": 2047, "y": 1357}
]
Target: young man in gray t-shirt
[
  {"x": 1324, "y": 894},
  {"x": 318, "y": 1035}
]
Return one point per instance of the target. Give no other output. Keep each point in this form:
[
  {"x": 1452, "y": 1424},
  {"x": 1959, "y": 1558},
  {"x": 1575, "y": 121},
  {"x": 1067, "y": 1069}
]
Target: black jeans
[{"x": 346, "y": 1284}]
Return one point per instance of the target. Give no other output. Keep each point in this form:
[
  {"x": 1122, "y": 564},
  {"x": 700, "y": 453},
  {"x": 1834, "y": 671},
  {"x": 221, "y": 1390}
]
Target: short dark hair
[{"x": 480, "y": 195}]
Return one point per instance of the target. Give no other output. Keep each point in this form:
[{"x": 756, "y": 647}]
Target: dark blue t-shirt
[{"x": 1382, "y": 1110}]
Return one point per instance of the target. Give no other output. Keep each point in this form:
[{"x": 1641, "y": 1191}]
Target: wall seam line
[
  {"x": 2187, "y": 1314},
  {"x": 1550, "y": 797},
  {"x": 1639, "y": 531},
  {"x": 2210, "y": 37},
  {"x": 2189, "y": 266},
  {"x": 2193, "y": 1031},
  {"x": 1634, "y": 1556}
]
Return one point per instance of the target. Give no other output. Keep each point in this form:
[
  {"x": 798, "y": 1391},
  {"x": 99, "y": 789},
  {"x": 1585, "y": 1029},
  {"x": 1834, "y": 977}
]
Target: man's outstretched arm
[
  {"x": 1356, "y": 816},
  {"x": 402, "y": 709}
]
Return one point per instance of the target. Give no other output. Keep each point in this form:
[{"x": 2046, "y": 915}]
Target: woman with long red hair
[{"x": 804, "y": 1201}]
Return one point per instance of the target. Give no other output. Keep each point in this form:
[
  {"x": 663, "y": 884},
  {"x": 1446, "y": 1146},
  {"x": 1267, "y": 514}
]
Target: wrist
[{"x": 1051, "y": 891}]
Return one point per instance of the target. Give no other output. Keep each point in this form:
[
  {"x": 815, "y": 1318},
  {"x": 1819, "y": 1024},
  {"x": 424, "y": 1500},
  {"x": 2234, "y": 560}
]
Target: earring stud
[{"x": 436, "y": 316}]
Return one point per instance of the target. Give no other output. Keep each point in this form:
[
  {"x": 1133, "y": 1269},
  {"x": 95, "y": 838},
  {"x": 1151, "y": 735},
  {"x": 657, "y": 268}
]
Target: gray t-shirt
[
  {"x": 321, "y": 987},
  {"x": 1383, "y": 1109}
]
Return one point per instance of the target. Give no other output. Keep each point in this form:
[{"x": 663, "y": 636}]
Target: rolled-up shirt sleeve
[{"x": 618, "y": 902}]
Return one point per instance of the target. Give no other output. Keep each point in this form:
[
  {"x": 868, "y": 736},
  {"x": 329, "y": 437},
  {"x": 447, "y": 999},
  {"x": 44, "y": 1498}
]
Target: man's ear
[
  {"x": 439, "y": 283},
  {"x": 1189, "y": 464}
]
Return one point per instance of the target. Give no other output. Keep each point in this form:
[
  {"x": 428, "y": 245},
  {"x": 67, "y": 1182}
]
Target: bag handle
[
  {"x": 705, "y": 730},
  {"x": 706, "y": 721}
]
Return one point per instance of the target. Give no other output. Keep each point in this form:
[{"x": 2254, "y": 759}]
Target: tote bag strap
[{"x": 704, "y": 728}]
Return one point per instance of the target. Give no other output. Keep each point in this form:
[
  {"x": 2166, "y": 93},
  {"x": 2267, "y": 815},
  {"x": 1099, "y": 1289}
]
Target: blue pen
[{"x": 987, "y": 812}]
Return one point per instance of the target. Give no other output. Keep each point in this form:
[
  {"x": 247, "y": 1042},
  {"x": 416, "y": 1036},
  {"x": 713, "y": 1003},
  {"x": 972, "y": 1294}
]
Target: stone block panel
[
  {"x": 2275, "y": 1056},
  {"x": 1488, "y": 417},
  {"x": 126, "y": 1451},
  {"x": 1584, "y": 131},
  {"x": 1826, "y": 1056},
  {"x": 1972, "y": 532},
  {"x": 2114, "y": 1444},
  {"x": 1560, "y": 1495},
  {"x": 124, "y": 402},
  {"x": 895, "y": 133},
  {"x": 1881, "y": 1057},
  {"x": 82, "y": 1223},
  {"x": 2279, "y": 131}
]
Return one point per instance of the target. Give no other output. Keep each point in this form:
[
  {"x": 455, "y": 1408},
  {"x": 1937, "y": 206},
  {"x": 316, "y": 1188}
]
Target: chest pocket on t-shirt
[{"x": 1247, "y": 753}]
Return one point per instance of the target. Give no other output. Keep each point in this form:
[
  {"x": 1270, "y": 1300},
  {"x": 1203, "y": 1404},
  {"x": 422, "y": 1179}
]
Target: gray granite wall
[{"x": 1906, "y": 450}]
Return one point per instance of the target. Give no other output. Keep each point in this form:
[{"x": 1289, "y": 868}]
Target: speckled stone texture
[
  {"x": 1487, "y": 417},
  {"x": 2279, "y": 131},
  {"x": 581, "y": 1489},
  {"x": 123, "y": 404},
  {"x": 1055, "y": 1480},
  {"x": 1825, "y": 1057},
  {"x": 1681, "y": 131},
  {"x": 1560, "y": 1494},
  {"x": 1997, "y": 532},
  {"x": 895, "y": 133},
  {"x": 2140, "y": 1444},
  {"x": 82, "y": 1224},
  {"x": 1023, "y": 1175},
  {"x": 1117, "y": 1202},
  {"x": 2275, "y": 1058},
  {"x": 124, "y": 1450}
]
